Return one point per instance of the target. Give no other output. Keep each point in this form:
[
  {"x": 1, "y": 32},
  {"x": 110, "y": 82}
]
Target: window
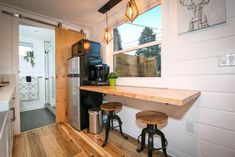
[
  {"x": 136, "y": 46},
  {"x": 24, "y": 47}
]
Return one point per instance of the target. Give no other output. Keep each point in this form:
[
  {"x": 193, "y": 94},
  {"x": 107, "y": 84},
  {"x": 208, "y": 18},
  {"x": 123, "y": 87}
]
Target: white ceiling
[
  {"x": 80, "y": 12},
  {"x": 37, "y": 33}
]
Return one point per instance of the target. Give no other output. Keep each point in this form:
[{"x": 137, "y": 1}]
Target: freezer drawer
[
  {"x": 74, "y": 65},
  {"x": 74, "y": 103}
]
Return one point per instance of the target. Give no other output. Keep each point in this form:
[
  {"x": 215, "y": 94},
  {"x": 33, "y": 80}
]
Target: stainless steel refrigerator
[
  {"x": 78, "y": 74},
  {"x": 74, "y": 106}
]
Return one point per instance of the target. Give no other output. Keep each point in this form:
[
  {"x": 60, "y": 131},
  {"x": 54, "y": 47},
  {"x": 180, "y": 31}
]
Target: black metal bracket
[
  {"x": 111, "y": 117},
  {"x": 109, "y": 5},
  {"x": 151, "y": 130}
]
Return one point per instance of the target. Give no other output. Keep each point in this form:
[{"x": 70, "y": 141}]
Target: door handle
[{"x": 14, "y": 114}]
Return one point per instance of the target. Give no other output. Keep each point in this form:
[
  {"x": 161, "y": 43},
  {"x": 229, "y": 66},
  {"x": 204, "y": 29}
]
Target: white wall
[
  {"x": 5, "y": 45},
  {"x": 8, "y": 55},
  {"x": 189, "y": 61},
  {"x": 192, "y": 63}
]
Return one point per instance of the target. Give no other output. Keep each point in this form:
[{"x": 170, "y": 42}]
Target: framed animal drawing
[{"x": 199, "y": 14}]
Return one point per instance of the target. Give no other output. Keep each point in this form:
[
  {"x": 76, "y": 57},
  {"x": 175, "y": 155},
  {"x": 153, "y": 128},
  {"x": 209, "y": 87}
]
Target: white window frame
[
  {"x": 138, "y": 81},
  {"x": 27, "y": 44},
  {"x": 153, "y": 43}
]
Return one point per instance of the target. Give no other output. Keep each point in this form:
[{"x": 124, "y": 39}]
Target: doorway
[{"x": 36, "y": 76}]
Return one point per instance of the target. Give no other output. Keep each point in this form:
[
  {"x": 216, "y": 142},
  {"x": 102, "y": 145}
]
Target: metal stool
[
  {"x": 111, "y": 107},
  {"x": 152, "y": 119}
]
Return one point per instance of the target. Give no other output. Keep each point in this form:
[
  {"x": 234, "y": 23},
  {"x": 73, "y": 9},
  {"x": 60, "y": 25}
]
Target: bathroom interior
[{"x": 36, "y": 76}]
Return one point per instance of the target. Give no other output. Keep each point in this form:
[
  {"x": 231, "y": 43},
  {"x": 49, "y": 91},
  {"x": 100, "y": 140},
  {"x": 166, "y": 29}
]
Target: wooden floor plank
[
  {"x": 128, "y": 148},
  {"x": 44, "y": 131},
  {"x": 132, "y": 141},
  {"x": 66, "y": 143},
  {"x": 35, "y": 145},
  {"x": 51, "y": 147},
  {"x": 61, "y": 140},
  {"x": 82, "y": 143},
  {"x": 82, "y": 154},
  {"x": 20, "y": 146},
  {"x": 99, "y": 139}
]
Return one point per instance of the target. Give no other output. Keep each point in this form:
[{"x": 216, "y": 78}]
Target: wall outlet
[
  {"x": 227, "y": 60},
  {"x": 190, "y": 127}
]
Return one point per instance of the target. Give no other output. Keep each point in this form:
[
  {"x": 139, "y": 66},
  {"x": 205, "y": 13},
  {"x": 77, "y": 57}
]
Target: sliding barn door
[{"x": 64, "y": 39}]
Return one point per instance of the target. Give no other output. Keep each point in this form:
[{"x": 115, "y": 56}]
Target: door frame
[{"x": 17, "y": 126}]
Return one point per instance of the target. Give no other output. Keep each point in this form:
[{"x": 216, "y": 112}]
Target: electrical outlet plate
[{"x": 227, "y": 60}]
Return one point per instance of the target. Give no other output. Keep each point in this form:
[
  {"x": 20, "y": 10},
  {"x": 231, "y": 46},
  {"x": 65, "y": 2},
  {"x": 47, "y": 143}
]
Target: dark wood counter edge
[{"x": 164, "y": 100}]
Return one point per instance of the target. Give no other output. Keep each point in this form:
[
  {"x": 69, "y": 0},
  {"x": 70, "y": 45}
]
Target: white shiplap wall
[
  {"x": 193, "y": 64},
  {"x": 5, "y": 44},
  {"x": 190, "y": 61}
]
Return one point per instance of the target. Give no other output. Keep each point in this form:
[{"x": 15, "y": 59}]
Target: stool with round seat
[
  {"x": 152, "y": 119},
  {"x": 112, "y": 107}
]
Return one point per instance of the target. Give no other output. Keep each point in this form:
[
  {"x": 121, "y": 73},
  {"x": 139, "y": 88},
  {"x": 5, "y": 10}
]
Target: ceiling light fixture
[
  {"x": 107, "y": 32},
  {"x": 16, "y": 15},
  {"x": 131, "y": 10}
]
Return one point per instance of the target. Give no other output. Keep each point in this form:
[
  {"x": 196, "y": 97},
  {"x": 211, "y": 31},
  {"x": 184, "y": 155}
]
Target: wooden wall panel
[{"x": 64, "y": 39}]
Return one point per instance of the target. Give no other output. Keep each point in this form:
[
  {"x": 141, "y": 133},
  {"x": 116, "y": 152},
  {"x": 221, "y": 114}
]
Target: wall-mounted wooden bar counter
[{"x": 178, "y": 97}]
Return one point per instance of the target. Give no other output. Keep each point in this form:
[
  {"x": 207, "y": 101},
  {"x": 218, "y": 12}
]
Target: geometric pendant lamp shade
[
  {"x": 107, "y": 32},
  {"x": 131, "y": 10},
  {"x": 107, "y": 35}
]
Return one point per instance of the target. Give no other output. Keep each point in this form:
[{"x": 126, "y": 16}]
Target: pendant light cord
[{"x": 107, "y": 19}]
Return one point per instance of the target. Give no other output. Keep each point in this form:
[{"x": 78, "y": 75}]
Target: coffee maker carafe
[{"x": 99, "y": 74}]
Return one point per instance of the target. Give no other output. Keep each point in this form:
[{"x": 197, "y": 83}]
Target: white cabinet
[
  {"x": 7, "y": 118},
  {"x": 4, "y": 134},
  {"x": 11, "y": 120}
]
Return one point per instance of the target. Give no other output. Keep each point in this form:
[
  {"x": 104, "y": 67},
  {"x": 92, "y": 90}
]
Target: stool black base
[
  {"x": 151, "y": 130},
  {"x": 111, "y": 117}
]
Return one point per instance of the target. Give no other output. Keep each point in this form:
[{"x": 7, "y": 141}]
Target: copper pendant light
[
  {"x": 131, "y": 10},
  {"x": 107, "y": 32}
]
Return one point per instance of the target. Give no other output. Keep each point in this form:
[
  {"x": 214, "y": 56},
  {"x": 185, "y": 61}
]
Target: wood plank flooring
[{"x": 60, "y": 140}]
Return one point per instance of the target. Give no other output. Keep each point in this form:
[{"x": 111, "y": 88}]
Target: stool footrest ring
[
  {"x": 139, "y": 142},
  {"x": 151, "y": 130}
]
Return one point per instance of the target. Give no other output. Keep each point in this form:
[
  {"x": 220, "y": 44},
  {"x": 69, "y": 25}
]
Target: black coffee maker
[{"x": 98, "y": 74}]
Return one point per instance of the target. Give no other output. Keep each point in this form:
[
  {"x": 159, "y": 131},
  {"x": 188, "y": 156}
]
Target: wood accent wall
[{"x": 64, "y": 39}]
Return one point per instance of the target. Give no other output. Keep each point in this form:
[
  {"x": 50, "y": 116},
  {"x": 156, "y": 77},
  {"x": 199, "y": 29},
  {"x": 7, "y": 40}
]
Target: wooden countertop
[{"x": 162, "y": 95}]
